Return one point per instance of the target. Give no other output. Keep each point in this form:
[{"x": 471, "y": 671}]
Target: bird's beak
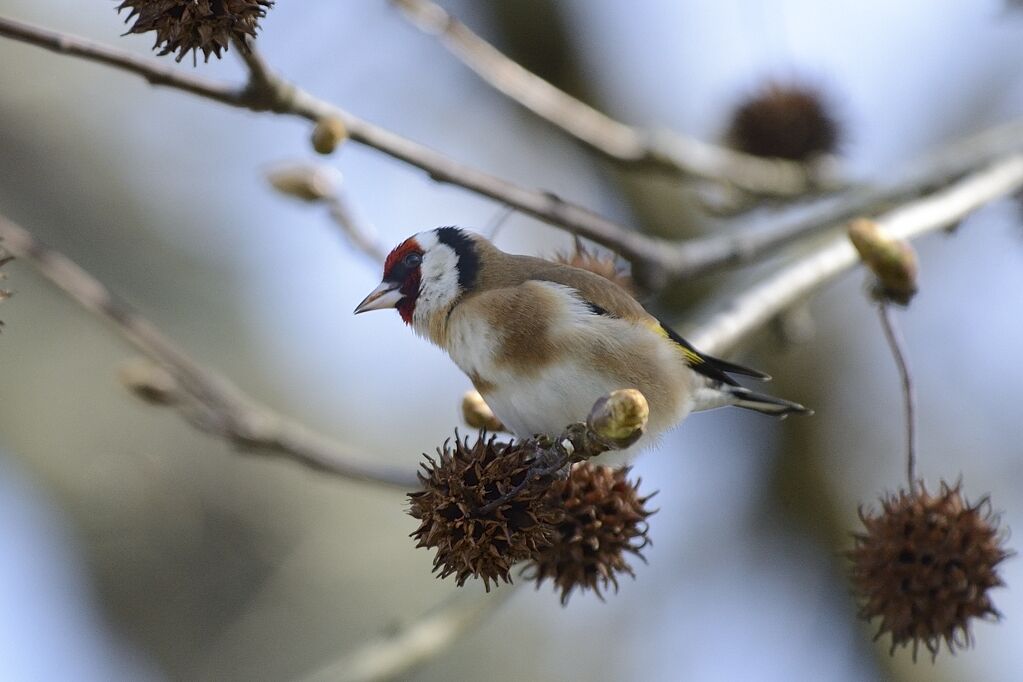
[{"x": 384, "y": 296}]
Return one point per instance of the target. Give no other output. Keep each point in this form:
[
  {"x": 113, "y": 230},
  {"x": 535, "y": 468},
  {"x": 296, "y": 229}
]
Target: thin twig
[
  {"x": 360, "y": 235},
  {"x": 656, "y": 261},
  {"x": 4, "y": 293},
  {"x": 266, "y": 91},
  {"x": 395, "y": 653},
  {"x": 213, "y": 404},
  {"x": 757, "y": 305},
  {"x": 662, "y": 151},
  {"x": 931, "y": 171},
  {"x": 154, "y": 72},
  {"x": 895, "y": 342},
  {"x": 499, "y": 220},
  {"x": 321, "y": 183}
]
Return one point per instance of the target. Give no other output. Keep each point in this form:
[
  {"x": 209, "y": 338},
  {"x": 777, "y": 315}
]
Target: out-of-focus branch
[
  {"x": 321, "y": 183},
  {"x": 931, "y": 171},
  {"x": 758, "y": 304},
  {"x": 5, "y": 294},
  {"x": 266, "y": 91},
  {"x": 361, "y": 236},
  {"x": 154, "y": 72},
  {"x": 207, "y": 400},
  {"x": 663, "y": 151},
  {"x": 656, "y": 261},
  {"x": 396, "y": 652}
]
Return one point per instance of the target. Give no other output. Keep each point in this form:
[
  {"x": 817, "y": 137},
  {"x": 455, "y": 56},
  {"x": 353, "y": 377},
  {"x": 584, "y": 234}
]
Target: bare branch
[
  {"x": 154, "y": 72},
  {"x": 663, "y": 151},
  {"x": 656, "y": 261},
  {"x": 394, "y": 653},
  {"x": 211, "y": 402},
  {"x": 932, "y": 171},
  {"x": 266, "y": 91},
  {"x": 283, "y": 97},
  {"x": 321, "y": 183},
  {"x": 359, "y": 234},
  {"x": 757, "y": 305}
]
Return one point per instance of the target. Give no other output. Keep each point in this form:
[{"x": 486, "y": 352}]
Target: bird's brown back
[{"x": 508, "y": 270}]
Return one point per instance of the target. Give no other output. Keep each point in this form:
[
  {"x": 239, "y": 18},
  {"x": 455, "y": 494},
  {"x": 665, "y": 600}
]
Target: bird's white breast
[{"x": 562, "y": 394}]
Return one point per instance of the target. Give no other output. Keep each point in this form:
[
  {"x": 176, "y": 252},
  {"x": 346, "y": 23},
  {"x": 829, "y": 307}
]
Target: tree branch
[
  {"x": 656, "y": 261},
  {"x": 154, "y": 72},
  {"x": 320, "y": 183},
  {"x": 927, "y": 173},
  {"x": 266, "y": 91},
  {"x": 724, "y": 328},
  {"x": 360, "y": 235},
  {"x": 663, "y": 151},
  {"x": 207, "y": 400},
  {"x": 394, "y": 653}
]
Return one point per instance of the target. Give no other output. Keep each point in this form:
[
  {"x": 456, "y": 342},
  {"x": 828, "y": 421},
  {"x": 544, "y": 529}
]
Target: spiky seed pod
[
  {"x": 605, "y": 265},
  {"x": 604, "y": 521},
  {"x": 924, "y": 565},
  {"x": 787, "y": 121},
  {"x": 205, "y": 26},
  {"x": 458, "y": 485}
]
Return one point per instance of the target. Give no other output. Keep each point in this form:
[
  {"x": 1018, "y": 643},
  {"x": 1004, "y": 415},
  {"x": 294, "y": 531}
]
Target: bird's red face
[{"x": 400, "y": 286}]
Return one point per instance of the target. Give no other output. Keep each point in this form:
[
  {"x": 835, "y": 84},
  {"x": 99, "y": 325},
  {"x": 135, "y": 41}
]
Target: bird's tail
[{"x": 761, "y": 402}]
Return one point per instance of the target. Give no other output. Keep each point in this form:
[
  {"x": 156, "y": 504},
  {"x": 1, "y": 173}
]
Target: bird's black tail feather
[{"x": 763, "y": 403}]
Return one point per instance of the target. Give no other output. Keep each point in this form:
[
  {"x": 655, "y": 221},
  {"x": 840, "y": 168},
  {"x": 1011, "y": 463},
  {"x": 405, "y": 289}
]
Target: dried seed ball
[
  {"x": 206, "y": 26},
  {"x": 924, "y": 566},
  {"x": 458, "y": 486}
]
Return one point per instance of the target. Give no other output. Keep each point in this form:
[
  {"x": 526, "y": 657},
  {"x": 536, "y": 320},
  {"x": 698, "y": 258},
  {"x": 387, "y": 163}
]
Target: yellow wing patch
[
  {"x": 657, "y": 328},
  {"x": 692, "y": 357}
]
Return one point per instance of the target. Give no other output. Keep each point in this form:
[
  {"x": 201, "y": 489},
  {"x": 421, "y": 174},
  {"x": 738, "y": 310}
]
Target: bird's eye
[{"x": 413, "y": 260}]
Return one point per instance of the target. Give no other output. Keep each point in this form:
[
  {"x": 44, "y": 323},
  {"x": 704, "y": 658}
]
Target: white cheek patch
[{"x": 438, "y": 285}]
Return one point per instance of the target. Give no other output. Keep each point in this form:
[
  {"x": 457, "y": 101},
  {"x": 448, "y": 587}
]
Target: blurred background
[{"x": 134, "y": 548}]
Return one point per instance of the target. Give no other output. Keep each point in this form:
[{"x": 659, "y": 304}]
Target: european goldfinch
[{"x": 542, "y": 341}]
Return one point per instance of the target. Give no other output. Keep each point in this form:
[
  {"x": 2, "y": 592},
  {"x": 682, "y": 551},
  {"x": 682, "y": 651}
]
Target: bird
[{"x": 542, "y": 341}]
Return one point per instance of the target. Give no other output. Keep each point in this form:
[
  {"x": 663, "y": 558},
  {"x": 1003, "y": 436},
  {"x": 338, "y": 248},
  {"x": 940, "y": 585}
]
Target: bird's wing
[
  {"x": 606, "y": 298},
  {"x": 596, "y": 291}
]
